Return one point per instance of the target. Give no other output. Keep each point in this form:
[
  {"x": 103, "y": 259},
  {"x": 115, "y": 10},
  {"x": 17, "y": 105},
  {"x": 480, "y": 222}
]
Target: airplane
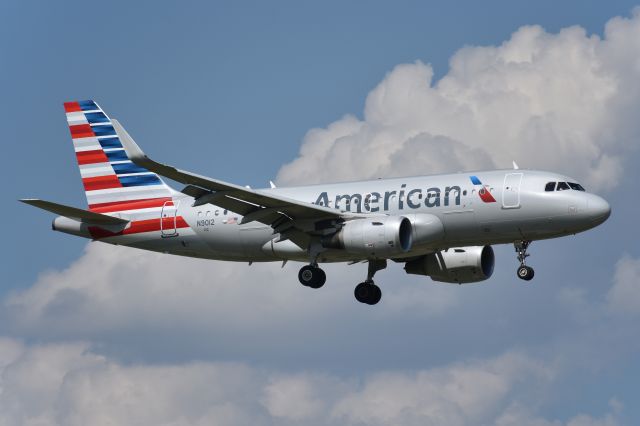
[{"x": 441, "y": 226}]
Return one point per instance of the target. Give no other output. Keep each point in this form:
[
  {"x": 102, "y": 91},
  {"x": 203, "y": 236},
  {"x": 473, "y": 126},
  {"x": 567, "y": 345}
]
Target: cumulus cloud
[
  {"x": 68, "y": 384},
  {"x": 561, "y": 102},
  {"x": 624, "y": 297},
  {"x": 115, "y": 292}
]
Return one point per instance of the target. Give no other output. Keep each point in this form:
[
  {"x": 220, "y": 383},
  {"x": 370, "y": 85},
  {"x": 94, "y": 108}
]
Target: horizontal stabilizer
[{"x": 75, "y": 213}]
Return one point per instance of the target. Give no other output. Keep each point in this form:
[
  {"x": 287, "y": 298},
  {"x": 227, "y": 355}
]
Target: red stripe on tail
[
  {"x": 72, "y": 107},
  {"x": 101, "y": 182},
  {"x": 81, "y": 131},
  {"x": 91, "y": 157}
]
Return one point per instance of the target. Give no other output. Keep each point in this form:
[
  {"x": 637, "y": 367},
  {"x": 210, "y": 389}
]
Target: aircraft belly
[{"x": 253, "y": 238}]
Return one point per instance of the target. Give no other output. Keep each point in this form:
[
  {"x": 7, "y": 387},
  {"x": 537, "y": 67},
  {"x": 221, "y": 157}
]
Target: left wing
[{"x": 279, "y": 212}]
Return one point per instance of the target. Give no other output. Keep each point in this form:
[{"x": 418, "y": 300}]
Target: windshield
[
  {"x": 563, "y": 186},
  {"x": 576, "y": 186}
]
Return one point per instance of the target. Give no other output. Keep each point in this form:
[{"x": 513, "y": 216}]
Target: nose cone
[{"x": 599, "y": 210}]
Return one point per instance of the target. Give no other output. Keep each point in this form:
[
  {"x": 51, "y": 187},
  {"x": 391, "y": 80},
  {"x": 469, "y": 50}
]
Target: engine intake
[
  {"x": 376, "y": 237},
  {"x": 457, "y": 265}
]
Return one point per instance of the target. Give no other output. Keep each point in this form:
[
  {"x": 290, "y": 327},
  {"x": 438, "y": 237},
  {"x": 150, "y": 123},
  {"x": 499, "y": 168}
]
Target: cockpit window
[
  {"x": 576, "y": 186},
  {"x": 563, "y": 186}
]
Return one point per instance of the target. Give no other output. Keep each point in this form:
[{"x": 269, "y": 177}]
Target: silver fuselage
[{"x": 522, "y": 210}]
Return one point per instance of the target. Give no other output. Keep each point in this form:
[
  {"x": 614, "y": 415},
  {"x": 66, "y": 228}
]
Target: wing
[{"x": 285, "y": 215}]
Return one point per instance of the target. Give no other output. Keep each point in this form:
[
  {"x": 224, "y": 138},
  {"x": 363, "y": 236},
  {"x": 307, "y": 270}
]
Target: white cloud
[
  {"x": 521, "y": 415},
  {"x": 293, "y": 398},
  {"x": 454, "y": 395},
  {"x": 624, "y": 297},
  {"x": 68, "y": 384},
  {"x": 114, "y": 289},
  {"x": 551, "y": 101}
]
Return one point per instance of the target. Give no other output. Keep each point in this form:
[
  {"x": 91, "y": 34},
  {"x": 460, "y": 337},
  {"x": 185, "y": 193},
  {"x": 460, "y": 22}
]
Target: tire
[
  {"x": 367, "y": 293},
  {"x": 376, "y": 295},
  {"x": 320, "y": 278},
  {"x": 311, "y": 276},
  {"x": 361, "y": 292},
  {"x": 525, "y": 273},
  {"x": 531, "y": 273}
]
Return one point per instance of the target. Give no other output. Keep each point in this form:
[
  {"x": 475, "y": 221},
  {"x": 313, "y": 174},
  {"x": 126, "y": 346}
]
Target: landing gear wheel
[
  {"x": 525, "y": 273},
  {"x": 312, "y": 276},
  {"x": 368, "y": 293}
]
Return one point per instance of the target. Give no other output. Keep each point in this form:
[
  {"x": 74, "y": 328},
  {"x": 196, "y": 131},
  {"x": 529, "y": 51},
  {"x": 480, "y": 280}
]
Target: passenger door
[
  {"x": 168, "y": 219},
  {"x": 511, "y": 191}
]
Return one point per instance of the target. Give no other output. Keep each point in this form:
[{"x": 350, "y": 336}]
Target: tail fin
[{"x": 111, "y": 181}]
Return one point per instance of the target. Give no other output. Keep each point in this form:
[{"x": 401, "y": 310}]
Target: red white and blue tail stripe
[{"x": 111, "y": 181}]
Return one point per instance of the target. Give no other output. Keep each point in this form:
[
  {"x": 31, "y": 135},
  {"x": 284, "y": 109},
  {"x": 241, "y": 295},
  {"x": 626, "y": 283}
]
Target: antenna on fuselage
[{"x": 515, "y": 165}]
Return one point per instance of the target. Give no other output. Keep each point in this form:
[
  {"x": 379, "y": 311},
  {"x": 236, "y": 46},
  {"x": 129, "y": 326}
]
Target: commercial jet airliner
[{"x": 441, "y": 226}]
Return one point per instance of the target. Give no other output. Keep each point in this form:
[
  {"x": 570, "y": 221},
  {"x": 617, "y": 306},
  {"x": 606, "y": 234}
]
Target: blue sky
[{"x": 230, "y": 90}]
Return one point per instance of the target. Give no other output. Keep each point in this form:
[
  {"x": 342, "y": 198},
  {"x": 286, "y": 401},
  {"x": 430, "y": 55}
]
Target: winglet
[
  {"x": 134, "y": 152},
  {"x": 138, "y": 156}
]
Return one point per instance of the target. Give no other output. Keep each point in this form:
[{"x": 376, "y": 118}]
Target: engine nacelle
[
  {"x": 457, "y": 265},
  {"x": 428, "y": 231},
  {"x": 376, "y": 237}
]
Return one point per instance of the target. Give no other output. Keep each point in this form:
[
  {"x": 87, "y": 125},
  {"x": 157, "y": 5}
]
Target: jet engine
[
  {"x": 456, "y": 265},
  {"x": 376, "y": 237},
  {"x": 428, "y": 231}
]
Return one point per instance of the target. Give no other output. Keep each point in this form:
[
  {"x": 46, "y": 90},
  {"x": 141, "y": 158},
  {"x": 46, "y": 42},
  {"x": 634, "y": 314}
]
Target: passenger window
[
  {"x": 562, "y": 186},
  {"x": 576, "y": 186},
  {"x": 551, "y": 186}
]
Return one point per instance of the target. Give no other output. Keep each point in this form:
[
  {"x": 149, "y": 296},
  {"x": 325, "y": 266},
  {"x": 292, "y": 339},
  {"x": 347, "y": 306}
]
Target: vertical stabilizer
[{"x": 111, "y": 181}]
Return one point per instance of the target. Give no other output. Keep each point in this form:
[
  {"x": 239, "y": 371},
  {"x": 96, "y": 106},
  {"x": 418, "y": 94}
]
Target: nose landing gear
[{"x": 524, "y": 272}]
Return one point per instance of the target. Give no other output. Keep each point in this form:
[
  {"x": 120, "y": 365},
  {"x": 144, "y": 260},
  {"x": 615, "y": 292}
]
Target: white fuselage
[{"x": 516, "y": 208}]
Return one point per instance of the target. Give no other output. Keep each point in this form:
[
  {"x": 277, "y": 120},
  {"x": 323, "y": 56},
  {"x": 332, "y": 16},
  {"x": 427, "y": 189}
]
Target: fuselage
[{"x": 475, "y": 208}]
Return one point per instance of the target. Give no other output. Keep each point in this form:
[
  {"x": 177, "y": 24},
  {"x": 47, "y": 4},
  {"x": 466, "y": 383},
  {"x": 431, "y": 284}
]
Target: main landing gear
[
  {"x": 312, "y": 276},
  {"x": 524, "y": 272},
  {"x": 367, "y": 292}
]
